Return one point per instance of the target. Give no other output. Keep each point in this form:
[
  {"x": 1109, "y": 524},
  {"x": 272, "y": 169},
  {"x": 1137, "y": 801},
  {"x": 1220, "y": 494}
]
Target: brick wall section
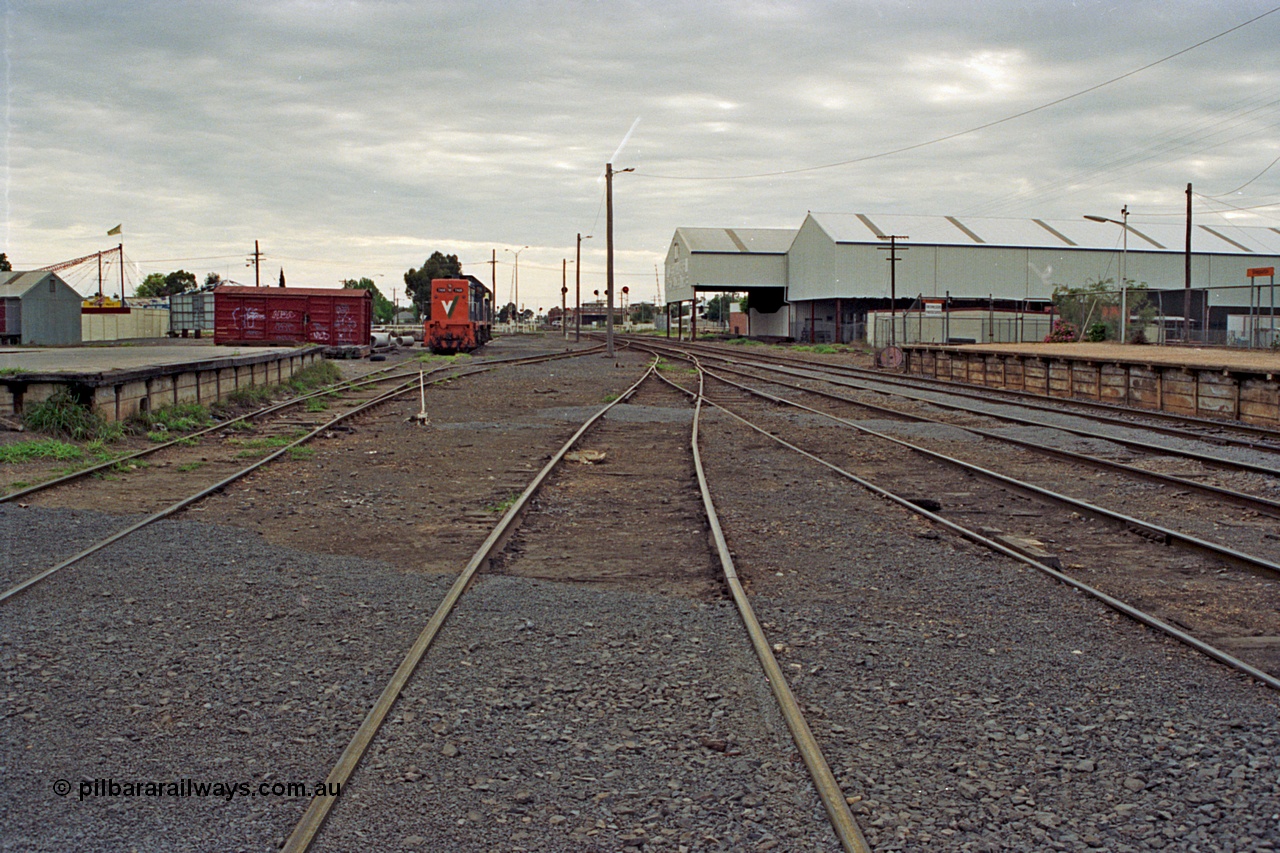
[{"x": 1246, "y": 395}]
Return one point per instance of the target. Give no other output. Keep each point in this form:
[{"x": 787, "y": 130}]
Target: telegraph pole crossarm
[
  {"x": 255, "y": 261},
  {"x": 893, "y": 282}
]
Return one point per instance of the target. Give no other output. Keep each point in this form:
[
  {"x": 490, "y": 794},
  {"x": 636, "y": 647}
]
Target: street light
[
  {"x": 1124, "y": 282},
  {"x": 564, "y": 295},
  {"x": 517, "y": 252},
  {"x": 609, "y": 172},
  {"x": 577, "y": 277}
]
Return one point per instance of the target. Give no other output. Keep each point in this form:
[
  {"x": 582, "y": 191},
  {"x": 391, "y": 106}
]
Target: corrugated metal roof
[
  {"x": 17, "y": 283},
  {"x": 1049, "y": 234},
  {"x": 759, "y": 241}
]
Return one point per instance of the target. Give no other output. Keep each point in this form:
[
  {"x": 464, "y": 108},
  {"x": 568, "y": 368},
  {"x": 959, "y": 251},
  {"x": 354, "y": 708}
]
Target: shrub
[
  {"x": 1061, "y": 333},
  {"x": 1096, "y": 333},
  {"x": 62, "y": 415}
]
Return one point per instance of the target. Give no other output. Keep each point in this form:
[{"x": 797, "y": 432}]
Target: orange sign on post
[{"x": 1260, "y": 272}]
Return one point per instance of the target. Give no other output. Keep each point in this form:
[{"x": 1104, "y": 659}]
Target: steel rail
[
  {"x": 1186, "y": 539},
  {"x": 345, "y": 385},
  {"x": 976, "y": 537},
  {"x": 348, "y": 384},
  {"x": 1205, "y": 458},
  {"x": 828, "y": 789},
  {"x": 1030, "y": 400},
  {"x": 304, "y": 833},
  {"x": 1242, "y": 499},
  {"x": 1033, "y": 400},
  {"x": 222, "y": 484}
]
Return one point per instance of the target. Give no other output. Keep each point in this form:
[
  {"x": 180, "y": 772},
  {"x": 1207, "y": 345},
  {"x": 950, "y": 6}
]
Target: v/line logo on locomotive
[{"x": 449, "y": 330}]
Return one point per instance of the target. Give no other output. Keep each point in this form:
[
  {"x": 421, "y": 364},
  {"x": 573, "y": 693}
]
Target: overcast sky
[{"x": 354, "y": 138}]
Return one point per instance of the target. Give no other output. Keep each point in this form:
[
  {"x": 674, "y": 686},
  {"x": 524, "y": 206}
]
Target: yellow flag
[{"x": 115, "y": 231}]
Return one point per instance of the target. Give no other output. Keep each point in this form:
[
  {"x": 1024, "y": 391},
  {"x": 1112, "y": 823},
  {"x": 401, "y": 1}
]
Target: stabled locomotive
[{"x": 461, "y": 315}]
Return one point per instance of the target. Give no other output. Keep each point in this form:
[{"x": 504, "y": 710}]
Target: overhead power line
[
  {"x": 1022, "y": 114},
  {"x": 1246, "y": 183}
]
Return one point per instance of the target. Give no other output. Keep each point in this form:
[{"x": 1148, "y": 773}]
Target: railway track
[
  {"x": 1213, "y": 431},
  {"x": 1036, "y": 522},
  {"x": 541, "y": 530},
  {"x": 1104, "y": 459},
  {"x": 1169, "y": 509},
  {"x": 173, "y": 489},
  {"x": 1253, "y": 456},
  {"x": 592, "y": 690}
]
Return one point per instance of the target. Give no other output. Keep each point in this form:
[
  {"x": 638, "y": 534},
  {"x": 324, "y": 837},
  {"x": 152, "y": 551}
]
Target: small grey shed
[{"x": 38, "y": 309}]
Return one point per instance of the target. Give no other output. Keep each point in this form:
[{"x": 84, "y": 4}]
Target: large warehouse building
[{"x": 830, "y": 280}]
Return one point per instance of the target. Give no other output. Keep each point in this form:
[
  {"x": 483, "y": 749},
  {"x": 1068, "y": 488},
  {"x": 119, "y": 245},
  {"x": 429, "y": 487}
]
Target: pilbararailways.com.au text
[{"x": 91, "y": 788}]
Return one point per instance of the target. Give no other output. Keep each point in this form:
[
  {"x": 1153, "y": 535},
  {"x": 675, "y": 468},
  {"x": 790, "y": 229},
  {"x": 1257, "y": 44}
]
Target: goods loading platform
[
  {"x": 118, "y": 381},
  {"x": 1241, "y": 385}
]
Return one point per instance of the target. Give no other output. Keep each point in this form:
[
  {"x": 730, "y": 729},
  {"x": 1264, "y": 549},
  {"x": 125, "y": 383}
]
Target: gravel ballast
[
  {"x": 964, "y": 701},
  {"x": 970, "y": 703}
]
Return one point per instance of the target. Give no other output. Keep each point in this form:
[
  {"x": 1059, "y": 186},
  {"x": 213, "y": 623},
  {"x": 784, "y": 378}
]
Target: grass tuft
[
  {"x": 180, "y": 417},
  {"x": 61, "y": 415},
  {"x": 311, "y": 378},
  {"x": 504, "y": 504},
  {"x": 47, "y": 448}
]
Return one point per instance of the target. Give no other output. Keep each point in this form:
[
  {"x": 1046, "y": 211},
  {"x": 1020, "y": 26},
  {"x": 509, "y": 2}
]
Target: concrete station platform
[
  {"x": 1236, "y": 384},
  {"x": 117, "y": 381}
]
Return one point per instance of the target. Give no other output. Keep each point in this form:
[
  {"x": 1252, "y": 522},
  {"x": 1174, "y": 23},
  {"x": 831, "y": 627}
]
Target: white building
[
  {"x": 836, "y": 270},
  {"x": 748, "y": 260}
]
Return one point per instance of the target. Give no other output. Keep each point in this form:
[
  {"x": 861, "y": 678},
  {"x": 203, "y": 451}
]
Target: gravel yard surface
[
  {"x": 554, "y": 718},
  {"x": 972, "y": 704},
  {"x": 201, "y": 653},
  {"x": 1064, "y": 419},
  {"x": 594, "y": 691}
]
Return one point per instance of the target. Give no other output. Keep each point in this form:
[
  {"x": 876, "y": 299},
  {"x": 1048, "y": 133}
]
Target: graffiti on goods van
[
  {"x": 318, "y": 332},
  {"x": 248, "y": 318},
  {"x": 344, "y": 325},
  {"x": 285, "y": 322}
]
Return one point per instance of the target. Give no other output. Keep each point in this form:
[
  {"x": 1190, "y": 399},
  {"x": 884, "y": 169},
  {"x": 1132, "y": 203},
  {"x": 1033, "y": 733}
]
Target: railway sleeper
[{"x": 1147, "y": 533}]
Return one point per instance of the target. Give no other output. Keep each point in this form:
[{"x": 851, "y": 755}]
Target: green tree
[
  {"x": 383, "y": 310},
  {"x": 156, "y": 284},
  {"x": 642, "y": 312},
  {"x": 507, "y": 313},
  {"x": 717, "y": 309},
  {"x": 212, "y": 280},
  {"x": 151, "y": 285},
  {"x": 1095, "y": 308},
  {"x": 418, "y": 282},
  {"x": 5, "y": 266}
]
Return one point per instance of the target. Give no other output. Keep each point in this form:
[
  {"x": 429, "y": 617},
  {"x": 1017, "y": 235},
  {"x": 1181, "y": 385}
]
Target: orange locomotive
[{"x": 461, "y": 315}]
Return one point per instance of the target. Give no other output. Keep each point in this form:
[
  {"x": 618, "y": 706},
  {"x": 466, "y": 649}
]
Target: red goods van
[{"x": 263, "y": 316}]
